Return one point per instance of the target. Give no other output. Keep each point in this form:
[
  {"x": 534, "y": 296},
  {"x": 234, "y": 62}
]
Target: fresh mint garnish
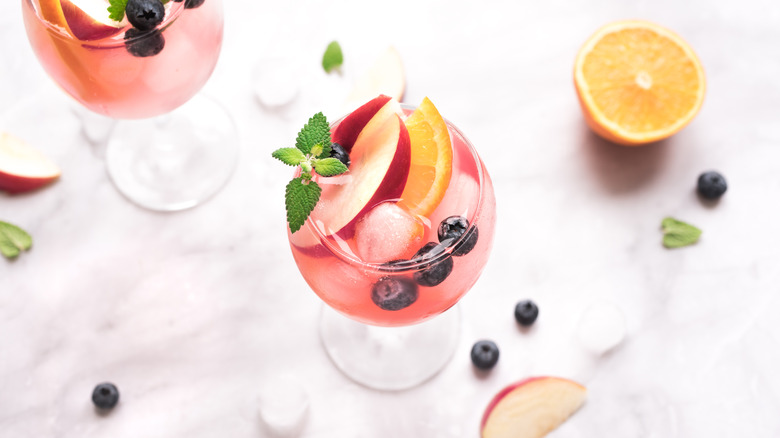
[
  {"x": 13, "y": 240},
  {"x": 312, "y": 154},
  {"x": 678, "y": 233},
  {"x": 116, "y": 9},
  {"x": 333, "y": 57}
]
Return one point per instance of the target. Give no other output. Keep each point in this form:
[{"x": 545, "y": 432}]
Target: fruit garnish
[
  {"x": 87, "y": 19},
  {"x": 141, "y": 43},
  {"x": 51, "y": 11},
  {"x": 394, "y": 293},
  {"x": 22, "y": 167},
  {"x": 346, "y": 133},
  {"x": 385, "y": 76},
  {"x": 431, "y": 163},
  {"x": 379, "y": 170},
  {"x": 13, "y": 240},
  {"x": 532, "y": 408},
  {"x": 141, "y": 10},
  {"x": 333, "y": 57},
  {"x": 526, "y": 312},
  {"x": 638, "y": 82},
  {"x": 105, "y": 395},
  {"x": 452, "y": 228},
  {"x": 484, "y": 354},
  {"x": 678, "y": 233},
  {"x": 436, "y": 269},
  {"x": 311, "y": 153},
  {"x": 711, "y": 185}
]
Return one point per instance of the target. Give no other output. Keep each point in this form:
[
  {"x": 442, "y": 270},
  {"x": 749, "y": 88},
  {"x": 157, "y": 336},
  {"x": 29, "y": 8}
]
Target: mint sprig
[
  {"x": 678, "y": 233},
  {"x": 13, "y": 240},
  {"x": 312, "y": 154},
  {"x": 333, "y": 57}
]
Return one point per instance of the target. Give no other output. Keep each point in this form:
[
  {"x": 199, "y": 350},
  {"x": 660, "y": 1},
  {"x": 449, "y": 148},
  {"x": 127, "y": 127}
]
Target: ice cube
[
  {"x": 602, "y": 327},
  {"x": 284, "y": 404},
  {"x": 388, "y": 232}
]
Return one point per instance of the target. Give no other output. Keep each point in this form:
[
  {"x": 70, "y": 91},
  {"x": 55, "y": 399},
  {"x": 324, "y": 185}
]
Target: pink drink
[
  {"x": 106, "y": 78},
  {"x": 333, "y": 269}
]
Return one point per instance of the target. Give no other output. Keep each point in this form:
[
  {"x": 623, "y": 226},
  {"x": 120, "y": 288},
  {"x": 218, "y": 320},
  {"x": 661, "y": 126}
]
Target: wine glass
[
  {"x": 392, "y": 326},
  {"x": 167, "y": 151}
]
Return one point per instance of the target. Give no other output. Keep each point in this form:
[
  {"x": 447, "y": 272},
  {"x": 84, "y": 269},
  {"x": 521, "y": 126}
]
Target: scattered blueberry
[
  {"x": 484, "y": 354},
  {"x": 144, "y": 43},
  {"x": 338, "y": 151},
  {"x": 105, "y": 395},
  {"x": 453, "y": 228},
  {"x": 145, "y": 14},
  {"x": 526, "y": 312},
  {"x": 394, "y": 293},
  {"x": 434, "y": 273},
  {"x": 711, "y": 185}
]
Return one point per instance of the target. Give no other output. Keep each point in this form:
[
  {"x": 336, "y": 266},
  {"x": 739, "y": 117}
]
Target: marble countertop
[{"x": 192, "y": 313}]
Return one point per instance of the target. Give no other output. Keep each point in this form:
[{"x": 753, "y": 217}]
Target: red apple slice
[
  {"x": 88, "y": 19},
  {"x": 380, "y": 158},
  {"x": 532, "y": 408},
  {"x": 347, "y": 130},
  {"x": 23, "y": 168}
]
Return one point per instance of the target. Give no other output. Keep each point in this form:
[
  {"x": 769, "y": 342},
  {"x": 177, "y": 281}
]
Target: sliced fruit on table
[
  {"x": 384, "y": 76},
  {"x": 23, "y": 167},
  {"x": 638, "y": 82},
  {"x": 532, "y": 408},
  {"x": 379, "y": 168},
  {"x": 431, "y": 161}
]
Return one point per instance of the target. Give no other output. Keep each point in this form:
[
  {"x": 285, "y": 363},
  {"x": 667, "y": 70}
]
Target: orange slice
[
  {"x": 51, "y": 11},
  {"x": 638, "y": 82},
  {"x": 431, "y": 163}
]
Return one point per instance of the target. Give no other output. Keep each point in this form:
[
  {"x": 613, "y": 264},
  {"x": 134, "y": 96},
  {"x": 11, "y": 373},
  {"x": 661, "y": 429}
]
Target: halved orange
[
  {"x": 638, "y": 82},
  {"x": 431, "y": 163}
]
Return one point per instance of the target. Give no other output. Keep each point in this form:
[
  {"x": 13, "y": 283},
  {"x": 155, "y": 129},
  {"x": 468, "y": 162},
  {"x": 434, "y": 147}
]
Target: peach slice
[
  {"x": 347, "y": 131},
  {"x": 23, "y": 168},
  {"x": 532, "y": 408},
  {"x": 88, "y": 19},
  {"x": 380, "y": 165}
]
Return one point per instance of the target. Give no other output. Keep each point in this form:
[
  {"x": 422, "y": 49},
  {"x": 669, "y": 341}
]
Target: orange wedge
[
  {"x": 638, "y": 82},
  {"x": 431, "y": 163},
  {"x": 51, "y": 11}
]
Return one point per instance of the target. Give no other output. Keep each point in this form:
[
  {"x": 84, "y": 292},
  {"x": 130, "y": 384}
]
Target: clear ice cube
[{"x": 388, "y": 232}]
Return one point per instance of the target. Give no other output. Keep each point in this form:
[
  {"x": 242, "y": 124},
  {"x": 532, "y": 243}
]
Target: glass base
[
  {"x": 174, "y": 161},
  {"x": 390, "y": 358}
]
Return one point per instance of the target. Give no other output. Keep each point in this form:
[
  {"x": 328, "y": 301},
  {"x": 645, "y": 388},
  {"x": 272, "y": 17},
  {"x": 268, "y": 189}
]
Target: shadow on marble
[{"x": 623, "y": 169}]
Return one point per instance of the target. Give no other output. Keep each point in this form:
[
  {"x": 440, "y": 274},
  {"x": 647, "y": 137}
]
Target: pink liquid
[
  {"x": 337, "y": 275},
  {"x": 104, "y": 77}
]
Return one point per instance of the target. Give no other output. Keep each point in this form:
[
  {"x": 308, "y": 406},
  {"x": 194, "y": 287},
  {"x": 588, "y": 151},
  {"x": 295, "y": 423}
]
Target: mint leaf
[
  {"x": 678, "y": 233},
  {"x": 289, "y": 156},
  {"x": 116, "y": 10},
  {"x": 316, "y": 131},
  {"x": 333, "y": 57},
  {"x": 329, "y": 167},
  {"x": 301, "y": 195},
  {"x": 13, "y": 240}
]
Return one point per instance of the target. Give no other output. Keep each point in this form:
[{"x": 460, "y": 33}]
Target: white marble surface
[{"x": 192, "y": 313}]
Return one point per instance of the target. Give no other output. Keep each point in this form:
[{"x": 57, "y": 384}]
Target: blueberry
[
  {"x": 338, "y": 151},
  {"x": 105, "y": 395},
  {"x": 432, "y": 273},
  {"x": 144, "y": 43},
  {"x": 453, "y": 228},
  {"x": 526, "y": 312},
  {"x": 192, "y": 4},
  {"x": 394, "y": 293},
  {"x": 145, "y": 14},
  {"x": 711, "y": 185},
  {"x": 484, "y": 354}
]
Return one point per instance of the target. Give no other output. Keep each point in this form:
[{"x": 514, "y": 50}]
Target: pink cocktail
[
  {"x": 143, "y": 65},
  {"x": 391, "y": 270}
]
